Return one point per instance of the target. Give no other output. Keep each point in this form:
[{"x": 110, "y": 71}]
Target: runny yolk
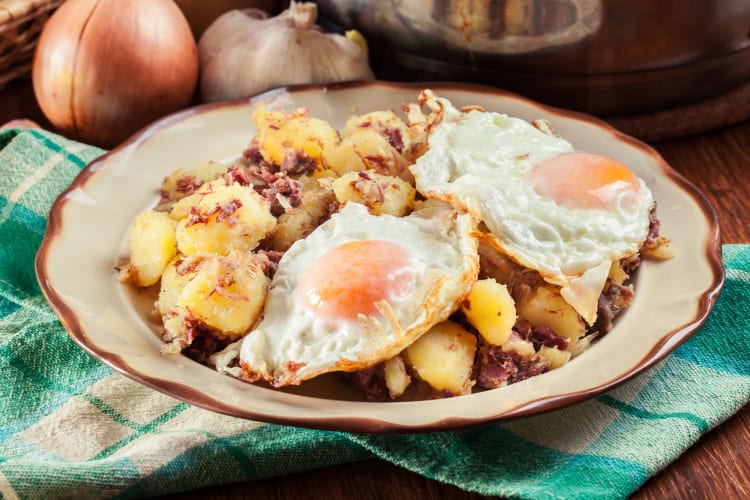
[
  {"x": 351, "y": 278},
  {"x": 583, "y": 180}
]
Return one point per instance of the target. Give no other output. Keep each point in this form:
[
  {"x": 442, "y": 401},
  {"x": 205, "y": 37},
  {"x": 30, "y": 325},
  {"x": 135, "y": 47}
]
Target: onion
[{"x": 104, "y": 69}]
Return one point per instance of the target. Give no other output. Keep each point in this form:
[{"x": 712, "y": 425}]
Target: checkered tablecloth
[{"x": 71, "y": 427}]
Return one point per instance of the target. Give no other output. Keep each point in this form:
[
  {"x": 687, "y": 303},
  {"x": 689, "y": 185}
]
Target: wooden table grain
[{"x": 717, "y": 466}]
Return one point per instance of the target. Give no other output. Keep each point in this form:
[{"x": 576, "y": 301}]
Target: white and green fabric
[{"x": 70, "y": 426}]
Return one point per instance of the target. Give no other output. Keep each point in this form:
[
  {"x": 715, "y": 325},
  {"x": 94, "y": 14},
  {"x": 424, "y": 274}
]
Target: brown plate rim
[{"x": 669, "y": 341}]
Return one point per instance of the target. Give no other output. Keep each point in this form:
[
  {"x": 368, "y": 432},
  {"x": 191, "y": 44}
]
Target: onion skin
[{"x": 103, "y": 69}]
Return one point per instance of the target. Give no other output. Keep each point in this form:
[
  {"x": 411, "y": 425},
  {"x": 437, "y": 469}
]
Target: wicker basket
[{"x": 21, "y": 21}]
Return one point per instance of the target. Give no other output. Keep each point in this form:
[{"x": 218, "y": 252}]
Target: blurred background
[
  {"x": 654, "y": 69},
  {"x": 600, "y": 56}
]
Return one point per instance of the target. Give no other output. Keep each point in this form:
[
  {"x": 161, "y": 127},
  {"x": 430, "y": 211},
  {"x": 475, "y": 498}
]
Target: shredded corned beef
[
  {"x": 394, "y": 138},
  {"x": 198, "y": 342},
  {"x": 371, "y": 381},
  {"x": 541, "y": 336},
  {"x": 224, "y": 211},
  {"x": 653, "y": 226},
  {"x": 290, "y": 189},
  {"x": 185, "y": 186},
  {"x": 378, "y": 163},
  {"x": 203, "y": 345},
  {"x": 615, "y": 299},
  {"x": 296, "y": 163},
  {"x": 270, "y": 182},
  {"x": 498, "y": 368},
  {"x": 237, "y": 174},
  {"x": 252, "y": 153}
]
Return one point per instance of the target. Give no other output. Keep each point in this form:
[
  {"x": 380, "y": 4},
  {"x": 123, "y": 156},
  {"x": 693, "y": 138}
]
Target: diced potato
[
  {"x": 520, "y": 346},
  {"x": 174, "y": 279},
  {"x": 225, "y": 294},
  {"x": 546, "y": 307},
  {"x": 387, "y": 124},
  {"x": 229, "y": 218},
  {"x": 368, "y": 150},
  {"x": 299, "y": 221},
  {"x": 396, "y": 378},
  {"x": 181, "y": 208},
  {"x": 293, "y": 225},
  {"x": 379, "y": 121},
  {"x": 617, "y": 274},
  {"x": 184, "y": 182},
  {"x": 577, "y": 346},
  {"x": 381, "y": 194},
  {"x": 661, "y": 249},
  {"x": 282, "y": 136},
  {"x": 555, "y": 356},
  {"x": 491, "y": 310},
  {"x": 152, "y": 245},
  {"x": 444, "y": 357}
]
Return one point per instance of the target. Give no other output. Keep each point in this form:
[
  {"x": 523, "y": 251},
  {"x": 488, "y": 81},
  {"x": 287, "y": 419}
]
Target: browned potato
[
  {"x": 282, "y": 136},
  {"x": 381, "y": 194},
  {"x": 184, "y": 182},
  {"x": 226, "y": 218},
  {"x": 299, "y": 221},
  {"x": 223, "y": 293},
  {"x": 444, "y": 357},
  {"x": 368, "y": 150},
  {"x": 491, "y": 310},
  {"x": 152, "y": 245},
  {"x": 546, "y": 307},
  {"x": 396, "y": 377}
]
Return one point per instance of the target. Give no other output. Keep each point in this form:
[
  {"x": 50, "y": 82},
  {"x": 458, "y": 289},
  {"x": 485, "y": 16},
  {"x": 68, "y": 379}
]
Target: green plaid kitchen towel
[{"x": 71, "y": 426}]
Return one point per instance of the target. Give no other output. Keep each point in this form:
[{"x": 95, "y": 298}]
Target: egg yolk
[
  {"x": 584, "y": 180},
  {"x": 351, "y": 278}
]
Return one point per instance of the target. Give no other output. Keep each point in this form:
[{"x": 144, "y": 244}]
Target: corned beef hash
[{"x": 446, "y": 252}]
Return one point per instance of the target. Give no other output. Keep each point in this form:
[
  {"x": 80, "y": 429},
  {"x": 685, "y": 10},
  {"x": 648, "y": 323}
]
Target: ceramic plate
[{"x": 88, "y": 233}]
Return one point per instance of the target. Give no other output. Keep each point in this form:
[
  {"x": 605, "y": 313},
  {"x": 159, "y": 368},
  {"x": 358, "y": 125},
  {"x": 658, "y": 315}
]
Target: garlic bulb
[{"x": 245, "y": 52}]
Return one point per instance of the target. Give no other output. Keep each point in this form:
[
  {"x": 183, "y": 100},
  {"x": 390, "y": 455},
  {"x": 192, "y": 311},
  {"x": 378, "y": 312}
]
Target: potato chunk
[
  {"x": 444, "y": 357},
  {"x": 388, "y": 125},
  {"x": 225, "y": 219},
  {"x": 152, "y": 245},
  {"x": 298, "y": 222},
  {"x": 368, "y": 150},
  {"x": 555, "y": 356},
  {"x": 181, "y": 208},
  {"x": 223, "y": 294},
  {"x": 546, "y": 307},
  {"x": 396, "y": 377},
  {"x": 381, "y": 194},
  {"x": 616, "y": 273},
  {"x": 296, "y": 137},
  {"x": 491, "y": 310},
  {"x": 184, "y": 182}
]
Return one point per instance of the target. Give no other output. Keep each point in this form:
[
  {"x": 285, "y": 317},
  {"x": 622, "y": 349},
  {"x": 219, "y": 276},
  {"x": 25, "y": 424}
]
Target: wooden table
[{"x": 718, "y": 466}]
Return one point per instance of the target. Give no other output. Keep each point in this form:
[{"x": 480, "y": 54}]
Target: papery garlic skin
[{"x": 245, "y": 52}]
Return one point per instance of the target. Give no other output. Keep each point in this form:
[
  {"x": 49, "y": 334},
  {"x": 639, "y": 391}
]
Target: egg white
[
  {"x": 292, "y": 344},
  {"x": 479, "y": 161}
]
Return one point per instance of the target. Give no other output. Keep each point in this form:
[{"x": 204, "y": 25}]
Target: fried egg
[
  {"x": 358, "y": 290},
  {"x": 567, "y": 214}
]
